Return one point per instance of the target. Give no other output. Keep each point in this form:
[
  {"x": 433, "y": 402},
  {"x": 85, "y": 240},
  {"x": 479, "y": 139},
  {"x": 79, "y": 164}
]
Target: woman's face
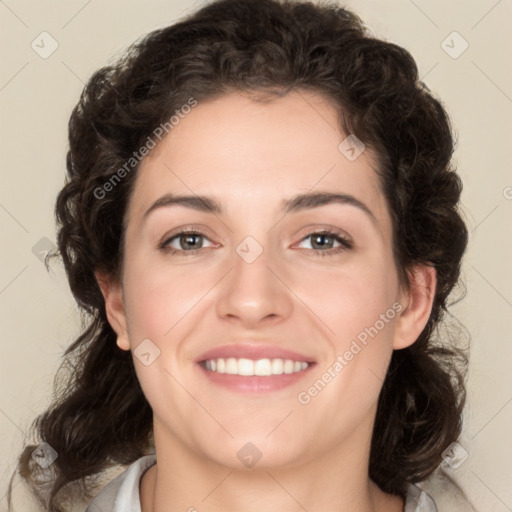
[{"x": 258, "y": 279}]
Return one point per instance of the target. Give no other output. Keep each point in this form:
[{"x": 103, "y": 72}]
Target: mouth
[
  {"x": 254, "y": 368},
  {"x": 260, "y": 367}
]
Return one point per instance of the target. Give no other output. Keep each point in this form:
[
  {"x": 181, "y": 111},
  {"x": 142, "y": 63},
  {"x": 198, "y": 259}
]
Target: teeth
[
  {"x": 260, "y": 367},
  {"x": 231, "y": 366},
  {"x": 277, "y": 366},
  {"x": 263, "y": 367}
]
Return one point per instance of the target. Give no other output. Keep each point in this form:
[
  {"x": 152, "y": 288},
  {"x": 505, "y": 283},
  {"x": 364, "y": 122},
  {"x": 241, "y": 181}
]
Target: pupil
[
  {"x": 189, "y": 239},
  {"x": 320, "y": 237}
]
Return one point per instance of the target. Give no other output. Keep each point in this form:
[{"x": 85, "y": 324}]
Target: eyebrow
[{"x": 296, "y": 203}]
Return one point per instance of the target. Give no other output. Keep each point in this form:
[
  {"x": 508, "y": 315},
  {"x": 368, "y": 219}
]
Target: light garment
[{"x": 122, "y": 493}]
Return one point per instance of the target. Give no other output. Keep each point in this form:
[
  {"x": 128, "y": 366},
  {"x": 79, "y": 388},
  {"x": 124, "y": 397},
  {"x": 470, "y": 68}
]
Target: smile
[{"x": 259, "y": 367}]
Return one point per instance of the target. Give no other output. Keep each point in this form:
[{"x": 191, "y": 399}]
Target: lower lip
[{"x": 255, "y": 383}]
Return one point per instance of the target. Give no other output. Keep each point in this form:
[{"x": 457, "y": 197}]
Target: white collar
[{"x": 122, "y": 493}]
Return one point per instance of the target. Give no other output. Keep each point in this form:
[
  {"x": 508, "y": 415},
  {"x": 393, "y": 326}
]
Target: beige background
[{"x": 38, "y": 314}]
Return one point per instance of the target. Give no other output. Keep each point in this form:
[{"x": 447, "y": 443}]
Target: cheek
[
  {"x": 358, "y": 311},
  {"x": 158, "y": 297},
  {"x": 361, "y": 313},
  {"x": 348, "y": 299}
]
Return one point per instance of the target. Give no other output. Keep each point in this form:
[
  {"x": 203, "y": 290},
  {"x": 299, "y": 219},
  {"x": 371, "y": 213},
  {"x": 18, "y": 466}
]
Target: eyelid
[
  {"x": 188, "y": 228},
  {"x": 327, "y": 229}
]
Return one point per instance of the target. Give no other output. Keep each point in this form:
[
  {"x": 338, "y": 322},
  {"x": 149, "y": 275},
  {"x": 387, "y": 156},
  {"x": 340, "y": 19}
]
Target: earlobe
[
  {"x": 114, "y": 306},
  {"x": 417, "y": 304}
]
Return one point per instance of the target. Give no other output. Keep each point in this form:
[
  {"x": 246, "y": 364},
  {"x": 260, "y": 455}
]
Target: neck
[{"x": 185, "y": 482}]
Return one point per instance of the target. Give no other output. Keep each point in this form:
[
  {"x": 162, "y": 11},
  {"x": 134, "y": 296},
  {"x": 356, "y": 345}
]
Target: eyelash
[{"x": 345, "y": 244}]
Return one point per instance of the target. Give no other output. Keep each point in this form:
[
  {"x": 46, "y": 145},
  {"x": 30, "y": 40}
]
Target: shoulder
[
  {"x": 446, "y": 493},
  {"x": 417, "y": 500},
  {"x": 122, "y": 493},
  {"x": 24, "y": 500},
  {"x": 120, "y": 485}
]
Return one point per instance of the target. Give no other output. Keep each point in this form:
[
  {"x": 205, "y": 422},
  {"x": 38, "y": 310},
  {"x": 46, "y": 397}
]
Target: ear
[
  {"x": 417, "y": 303},
  {"x": 114, "y": 305}
]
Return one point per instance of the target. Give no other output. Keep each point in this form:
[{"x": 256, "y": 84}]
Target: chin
[{"x": 255, "y": 453}]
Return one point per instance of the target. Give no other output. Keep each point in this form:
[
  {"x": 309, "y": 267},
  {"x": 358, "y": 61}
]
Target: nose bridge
[{"x": 252, "y": 292}]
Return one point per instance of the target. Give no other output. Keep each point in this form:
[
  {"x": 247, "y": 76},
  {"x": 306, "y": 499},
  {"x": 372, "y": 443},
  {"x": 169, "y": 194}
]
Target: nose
[{"x": 254, "y": 293}]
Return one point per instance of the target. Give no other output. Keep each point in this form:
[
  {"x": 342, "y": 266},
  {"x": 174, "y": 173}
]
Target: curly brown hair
[{"x": 100, "y": 417}]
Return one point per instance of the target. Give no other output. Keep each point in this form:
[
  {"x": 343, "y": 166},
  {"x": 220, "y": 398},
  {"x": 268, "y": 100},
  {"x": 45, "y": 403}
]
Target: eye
[
  {"x": 323, "y": 242},
  {"x": 184, "y": 241}
]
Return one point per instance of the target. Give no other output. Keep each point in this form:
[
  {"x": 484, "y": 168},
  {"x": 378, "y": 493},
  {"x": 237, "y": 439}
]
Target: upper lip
[{"x": 254, "y": 352}]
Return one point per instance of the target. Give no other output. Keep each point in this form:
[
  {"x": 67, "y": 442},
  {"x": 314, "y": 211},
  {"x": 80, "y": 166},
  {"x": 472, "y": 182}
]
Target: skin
[{"x": 251, "y": 156}]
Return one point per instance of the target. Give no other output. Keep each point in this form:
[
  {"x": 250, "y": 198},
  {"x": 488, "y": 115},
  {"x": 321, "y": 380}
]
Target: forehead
[{"x": 244, "y": 152}]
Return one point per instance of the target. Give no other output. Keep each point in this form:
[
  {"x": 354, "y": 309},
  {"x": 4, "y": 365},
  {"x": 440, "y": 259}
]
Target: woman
[{"x": 261, "y": 223}]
